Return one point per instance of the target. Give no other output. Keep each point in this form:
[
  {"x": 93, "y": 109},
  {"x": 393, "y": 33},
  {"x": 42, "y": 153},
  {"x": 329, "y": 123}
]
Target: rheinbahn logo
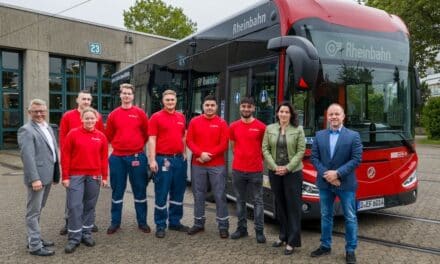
[{"x": 371, "y": 172}]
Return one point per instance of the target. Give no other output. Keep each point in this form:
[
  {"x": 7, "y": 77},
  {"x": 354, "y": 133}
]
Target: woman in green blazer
[{"x": 283, "y": 149}]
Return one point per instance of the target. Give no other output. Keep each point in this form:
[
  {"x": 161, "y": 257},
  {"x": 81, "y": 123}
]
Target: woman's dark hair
[{"x": 293, "y": 113}]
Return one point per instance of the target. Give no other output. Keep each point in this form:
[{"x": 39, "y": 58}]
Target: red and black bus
[{"x": 312, "y": 53}]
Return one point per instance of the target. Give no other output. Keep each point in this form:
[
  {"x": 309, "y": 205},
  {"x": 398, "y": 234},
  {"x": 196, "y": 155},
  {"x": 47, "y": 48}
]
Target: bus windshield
[{"x": 368, "y": 74}]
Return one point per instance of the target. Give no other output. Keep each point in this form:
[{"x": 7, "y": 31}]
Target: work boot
[
  {"x": 260, "y": 236},
  {"x": 239, "y": 234}
]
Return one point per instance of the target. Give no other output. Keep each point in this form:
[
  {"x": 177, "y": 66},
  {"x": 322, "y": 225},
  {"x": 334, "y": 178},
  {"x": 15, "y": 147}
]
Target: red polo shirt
[
  {"x": 247, "y": 137},
  {"x": 169, "y": 129}
]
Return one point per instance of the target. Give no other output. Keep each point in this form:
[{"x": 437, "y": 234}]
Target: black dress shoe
[
  {"x": 350, "y": 258},
  {"x": 88, "y": 241},
  {"x": 239, "y": 234},
  {"x": 42, "y": 252},
  {"x": 277, "y": 243},
  {"x": 195, "y": 229},
  {"x": 160, "y": 233},
  {"x": 95, "y": 228},
  {"x": 144, "y": 228},
  {"x": 179, "y": 228},
  {"x": 112, "y": 229},
  {"x": 70, "y": 247},
  {"x": 288, "y": 251},
  {"x": 321, "y": 251}
]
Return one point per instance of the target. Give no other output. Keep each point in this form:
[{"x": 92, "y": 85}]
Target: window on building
[
  {"x": 68, "y": 76},
  {"x": 11, "y": 115}
]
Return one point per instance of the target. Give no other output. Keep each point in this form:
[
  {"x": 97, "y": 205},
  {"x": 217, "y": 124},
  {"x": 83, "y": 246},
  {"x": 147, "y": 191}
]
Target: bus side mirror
[
  {"x": 302, "y": 55},
  {"x": 418, "y": 87}
]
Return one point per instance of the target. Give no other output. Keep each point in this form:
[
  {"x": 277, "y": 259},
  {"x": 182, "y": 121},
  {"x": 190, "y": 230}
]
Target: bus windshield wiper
[{"x": 404, "y": 141}]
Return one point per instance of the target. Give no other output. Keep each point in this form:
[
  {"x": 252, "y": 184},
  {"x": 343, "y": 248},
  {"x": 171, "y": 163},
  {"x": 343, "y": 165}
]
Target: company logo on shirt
[
  {"x": 180, "y": 123},
  {"x": 214, "y": 126},
  {"x": 254, "y": 129},
  {"x": 95, "y": 139},
  {"x": 133, "y": 116}
]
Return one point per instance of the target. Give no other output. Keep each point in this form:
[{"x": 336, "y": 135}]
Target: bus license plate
[{"x": 371, "y": 204}]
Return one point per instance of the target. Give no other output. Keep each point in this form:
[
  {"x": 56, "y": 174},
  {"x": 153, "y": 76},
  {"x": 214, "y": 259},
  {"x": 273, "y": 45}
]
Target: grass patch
[{"x": 426, "y": 141}]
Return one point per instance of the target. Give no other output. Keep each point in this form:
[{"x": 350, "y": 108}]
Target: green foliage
[
  {"x": 423, "y": 20},
  {"x": 155, "y": 17},
  {"x": 425, "y": 93},
  {"x": 431, "y": 118}
]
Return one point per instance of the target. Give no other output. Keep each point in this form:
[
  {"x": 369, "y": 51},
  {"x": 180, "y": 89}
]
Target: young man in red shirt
[
  {"x": 246, "y": 136},
  {"x": 127, "y": 131},
  {"x": 70, "y": 120},
  {"x": 207, "y": 138},
  {"x": 166, "y": 149}
]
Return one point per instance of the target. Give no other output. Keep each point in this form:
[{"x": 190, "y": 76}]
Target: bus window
[
  {"x": 238, "y": 81},
  {"x": 263, "y": 91},
  {"x": 303, "y": 102}
]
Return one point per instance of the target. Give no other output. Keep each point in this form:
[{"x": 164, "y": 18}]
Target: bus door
[{"x": 258, "y": 80}]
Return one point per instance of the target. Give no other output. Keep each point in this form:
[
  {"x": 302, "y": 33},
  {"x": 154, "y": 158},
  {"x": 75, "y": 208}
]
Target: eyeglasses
[{"x": 38, "y": 111}]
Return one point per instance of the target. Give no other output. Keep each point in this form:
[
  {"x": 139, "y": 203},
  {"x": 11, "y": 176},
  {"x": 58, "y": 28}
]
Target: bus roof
[{"x": 339, "y": 12}]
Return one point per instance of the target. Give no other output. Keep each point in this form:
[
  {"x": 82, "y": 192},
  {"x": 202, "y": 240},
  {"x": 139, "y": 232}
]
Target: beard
[{"x": 246, "y": 115}]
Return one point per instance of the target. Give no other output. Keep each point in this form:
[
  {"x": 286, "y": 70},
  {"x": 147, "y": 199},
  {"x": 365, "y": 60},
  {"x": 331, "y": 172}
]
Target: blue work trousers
[
  {"x": 169, "y": 181},
  {"x": 135, "y": 166}
]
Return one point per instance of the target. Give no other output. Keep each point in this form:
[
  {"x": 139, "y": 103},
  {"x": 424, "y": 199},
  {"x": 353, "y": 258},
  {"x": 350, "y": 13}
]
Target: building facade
[
  {"x": 53, "y": 58},
  {"x": 433, "y": 82}
]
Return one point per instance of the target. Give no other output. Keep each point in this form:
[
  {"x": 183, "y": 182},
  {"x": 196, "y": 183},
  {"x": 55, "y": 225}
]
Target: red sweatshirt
[
  {"x": 247, "y": 138},
  {"x": 85, "y": 153},
  {"x": 208, "y": 135},
  {"x": 72, "y": 119},
  {"x": 127, "y": 130}
]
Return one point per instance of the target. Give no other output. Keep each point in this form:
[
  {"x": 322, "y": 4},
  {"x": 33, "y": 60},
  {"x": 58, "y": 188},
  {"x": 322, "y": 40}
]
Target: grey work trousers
[
  {"x": 249, "y": 184},
  {"x": 82, "y": 195},
  {"x": 216, "y": 176},
  {"x": 36, "y": 200}
]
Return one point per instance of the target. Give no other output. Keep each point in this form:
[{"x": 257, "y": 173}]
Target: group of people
[{"x": 336, "y": 153}]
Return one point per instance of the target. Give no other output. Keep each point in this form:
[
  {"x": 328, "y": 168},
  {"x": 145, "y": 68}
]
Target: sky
[{"x": 109, "y": 12}]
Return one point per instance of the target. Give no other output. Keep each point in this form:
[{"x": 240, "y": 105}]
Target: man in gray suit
[{"x": 38, "y": 150}]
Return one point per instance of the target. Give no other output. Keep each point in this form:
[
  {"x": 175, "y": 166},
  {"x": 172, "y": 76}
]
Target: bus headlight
[
  {"x": 310, "y": 189},
  {"x": 410, "y": 180}
]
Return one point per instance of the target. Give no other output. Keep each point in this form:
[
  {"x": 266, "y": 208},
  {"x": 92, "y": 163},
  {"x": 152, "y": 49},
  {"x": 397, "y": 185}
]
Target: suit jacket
[
  {"x": 296, "y": 146},
  {"x": 36, "y": 154},
  {"x": 346, "y": 158}
]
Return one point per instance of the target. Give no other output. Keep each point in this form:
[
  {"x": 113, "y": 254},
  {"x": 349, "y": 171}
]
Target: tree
[
  {"x": 431, "y": 118},
  {"x": 423, "y": 20},
  {"x": 425, "y": 93},
  {"x": 155, "y": 17}
]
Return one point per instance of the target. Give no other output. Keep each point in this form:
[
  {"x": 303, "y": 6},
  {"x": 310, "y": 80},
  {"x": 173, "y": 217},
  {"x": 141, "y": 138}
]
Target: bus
[{"x": 311, "y": 53}]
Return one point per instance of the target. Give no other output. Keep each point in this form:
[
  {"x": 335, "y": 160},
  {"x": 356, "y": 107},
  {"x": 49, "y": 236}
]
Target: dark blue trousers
[
  {"x": 170, "y": 180},
  {"x": 120, "y": 167}
]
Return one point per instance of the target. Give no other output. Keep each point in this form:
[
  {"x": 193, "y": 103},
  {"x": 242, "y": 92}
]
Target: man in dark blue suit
[{"x": 336, "y": 153}]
